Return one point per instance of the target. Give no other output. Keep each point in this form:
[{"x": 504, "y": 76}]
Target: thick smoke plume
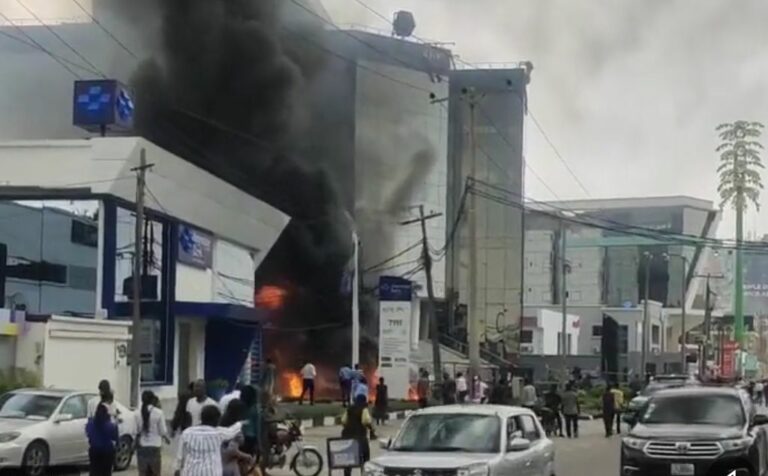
[{"x": 225, "y": 89}]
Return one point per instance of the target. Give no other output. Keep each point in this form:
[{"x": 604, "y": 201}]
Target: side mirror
[
  {"x": 519, "y": 444},
  {"x": 759, "y": 419},
  {"x": 62, "y": 417},
  {"x": 384, "y": 443}
]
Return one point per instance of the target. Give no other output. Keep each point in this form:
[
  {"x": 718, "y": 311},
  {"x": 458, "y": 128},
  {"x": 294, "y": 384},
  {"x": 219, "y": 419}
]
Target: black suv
[{"x": 697, "y": 431}]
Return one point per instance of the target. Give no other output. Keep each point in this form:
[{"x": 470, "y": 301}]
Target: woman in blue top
[{"x": 102, "y": 437}]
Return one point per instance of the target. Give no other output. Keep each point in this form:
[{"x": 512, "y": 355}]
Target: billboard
[
  {"x": 395, "y": 334},
  {"x": 755, "y": 283}
]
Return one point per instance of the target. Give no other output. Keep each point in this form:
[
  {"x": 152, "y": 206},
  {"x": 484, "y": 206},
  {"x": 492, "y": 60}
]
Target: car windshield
[
  {"x": 450, "y": 432},
  {"x": 28, "y": 405},
  {"x": 704, "y": 410}
]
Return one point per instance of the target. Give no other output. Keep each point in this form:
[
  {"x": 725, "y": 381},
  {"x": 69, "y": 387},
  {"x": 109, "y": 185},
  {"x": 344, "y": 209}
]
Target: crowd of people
[{"x": 214, "y": 438}]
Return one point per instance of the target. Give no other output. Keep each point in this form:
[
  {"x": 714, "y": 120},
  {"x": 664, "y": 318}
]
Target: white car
[
  {"x": 45, "y": 427},
  {"x": 467, "y": 440}
]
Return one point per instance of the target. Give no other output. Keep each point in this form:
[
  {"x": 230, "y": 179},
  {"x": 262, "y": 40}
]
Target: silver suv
[{"x": 467, "y": 440}]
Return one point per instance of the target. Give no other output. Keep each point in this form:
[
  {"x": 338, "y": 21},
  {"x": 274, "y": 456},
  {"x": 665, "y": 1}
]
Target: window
[
  {"x": 36, "y": 271},
  {"x": 513, "y": 430},
  {"x": 655, "y": 334},
  {"x": 623, "y": 339},
  {"x": 526, "y": 336},
  {"x": 529, "y": 427},
  {"x": 597, "y": 331},
  {"x": 86, "y": 234},
  {"x": 151, "y": 351},
  {"x": 455, "y": 431},
  {"x": 75, "y": 406}
]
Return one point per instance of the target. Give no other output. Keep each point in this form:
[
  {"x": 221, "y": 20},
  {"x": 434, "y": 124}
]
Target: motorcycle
[{"x": 282, "y": 437}]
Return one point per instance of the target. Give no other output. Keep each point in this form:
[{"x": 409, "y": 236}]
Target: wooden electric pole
[
  {"x": 431, "y": 316},
  {"x": 138, "y": 256}
]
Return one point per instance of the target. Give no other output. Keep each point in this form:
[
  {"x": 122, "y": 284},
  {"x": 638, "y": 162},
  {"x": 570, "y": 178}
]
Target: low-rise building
[{"x": 203, "y": 241}]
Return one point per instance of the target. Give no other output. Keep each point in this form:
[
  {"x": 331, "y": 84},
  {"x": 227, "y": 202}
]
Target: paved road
[{"x": 590, "y": 454}]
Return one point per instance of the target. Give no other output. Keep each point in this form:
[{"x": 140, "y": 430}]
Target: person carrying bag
[{"x": 357, "y": 424}]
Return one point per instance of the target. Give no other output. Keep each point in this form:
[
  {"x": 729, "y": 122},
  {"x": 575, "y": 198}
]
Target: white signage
[{"x": 395, "y": 346}]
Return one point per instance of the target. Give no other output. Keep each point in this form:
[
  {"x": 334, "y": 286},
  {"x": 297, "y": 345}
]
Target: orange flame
[
  {"x": 270, "y": 297},
  {"x": 412, "y": 394},
  {"x": 291, "y": 384}
]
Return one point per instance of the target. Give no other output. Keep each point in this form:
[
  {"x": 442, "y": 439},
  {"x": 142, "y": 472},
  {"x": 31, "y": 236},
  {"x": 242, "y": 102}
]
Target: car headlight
[
  {"x": 373, "y": 469},
  {"x": 477, "y": 469},
  {"x": 634, "y": 443},
  {"x": 737, "y": 444},
  {"x": 9, "y": 436}
]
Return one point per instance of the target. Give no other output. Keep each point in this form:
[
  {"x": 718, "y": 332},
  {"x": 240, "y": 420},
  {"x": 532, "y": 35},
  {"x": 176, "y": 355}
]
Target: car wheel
[
  {"x": 123, "y": 453},
  {"x": 36, "y": 459}
]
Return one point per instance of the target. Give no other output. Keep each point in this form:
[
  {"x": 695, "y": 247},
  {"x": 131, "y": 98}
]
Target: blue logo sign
[
  {"x": 102, "y": 104},
  {"x": 393, "y": 288},
  {"x": 195, "y": 247}
]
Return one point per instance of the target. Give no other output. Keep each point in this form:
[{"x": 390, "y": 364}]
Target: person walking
[
  {"x": 199, "y": 452},
  {"x": 618, "y": 395},
  {"x": 422, "y": 388},
  {"x": 528, "y": 398},
  {"x": 361, "y": 390},
  {"x": 252, "y": 426},
  {"x": 571, "y": 410},
  {"x": 181, "y": 419},
  {"x": 269, "y": 377},
  {"x": 102, "y": 436},
  {"x": 357, "y": 425},
  {"x": 233, "y": 395},
  {"x": 449, "y": 389},
  {"x": 345, "y": 384},
  {"x": 553, "y": 401},
  {"x": 198, "y": 401},
  {"x": 381, "y": 405},
  {"x": 105, "y": 397},
  {"x": 609, "y": 410},
  {"x": 151, "y": 433},
  {"x": 462, "y": 389},
  {"x": 308, "y": 374},
  {"x": 479, "y": 390}
]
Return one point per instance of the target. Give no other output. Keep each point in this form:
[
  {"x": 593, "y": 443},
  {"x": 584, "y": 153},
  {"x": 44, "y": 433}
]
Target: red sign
[{"x": 729, "y": 358}]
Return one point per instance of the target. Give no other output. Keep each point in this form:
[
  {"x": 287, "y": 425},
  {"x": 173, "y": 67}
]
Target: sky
[{"x": 629, "y": 92}]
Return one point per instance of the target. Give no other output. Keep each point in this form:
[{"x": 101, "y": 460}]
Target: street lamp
[{"x": 683, "y": 334}]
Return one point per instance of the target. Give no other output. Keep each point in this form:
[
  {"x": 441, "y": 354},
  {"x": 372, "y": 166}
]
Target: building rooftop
[{"x": 622, "y": 203}]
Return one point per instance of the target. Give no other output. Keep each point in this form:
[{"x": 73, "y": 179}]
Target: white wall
[
  {"x": 193, "y": 284},
  {"x": 182, "y": 189},
  {"x": 234, "y": 268},
  {"x": 550, "y": 325},
  {"x": 75, "y": 354}
]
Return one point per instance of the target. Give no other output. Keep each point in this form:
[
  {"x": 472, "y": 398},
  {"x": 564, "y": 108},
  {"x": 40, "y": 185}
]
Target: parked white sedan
[{"x": 44, "y": 427}]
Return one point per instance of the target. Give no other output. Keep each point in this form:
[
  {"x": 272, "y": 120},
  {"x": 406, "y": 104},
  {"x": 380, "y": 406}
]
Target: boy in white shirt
[{"x": 308, "y": 374}]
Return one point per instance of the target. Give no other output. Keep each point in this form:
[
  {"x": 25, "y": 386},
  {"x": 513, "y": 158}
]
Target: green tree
[{"x": 740, "y": 184}]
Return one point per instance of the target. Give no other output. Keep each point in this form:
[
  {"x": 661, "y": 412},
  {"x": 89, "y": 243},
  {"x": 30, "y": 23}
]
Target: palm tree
[{"x": 740, "y": 183}]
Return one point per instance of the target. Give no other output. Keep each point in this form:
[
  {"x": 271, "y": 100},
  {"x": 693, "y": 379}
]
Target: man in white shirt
[
  {"x": 461, "y": 388},
  {"x": 198, "y": 401},
  {"x": 529, "y": 398},
  {"x": 234, "y": 394},
  {"x": 199, "y": 451},
  {"x": 308, "y": 374}
]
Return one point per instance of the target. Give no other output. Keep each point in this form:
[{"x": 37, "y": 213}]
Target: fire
[
  {"x": 412, "y": 394},
  {"x": 270, "y": 297},
  {"x": 291, "y": 384}
]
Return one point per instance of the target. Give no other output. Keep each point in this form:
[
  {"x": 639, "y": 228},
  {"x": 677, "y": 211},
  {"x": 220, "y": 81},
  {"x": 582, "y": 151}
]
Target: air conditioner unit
[{"x": 526, "y": 348}]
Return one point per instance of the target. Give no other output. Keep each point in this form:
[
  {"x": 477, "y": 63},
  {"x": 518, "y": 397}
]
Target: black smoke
[{"x": 226, "y": 89}]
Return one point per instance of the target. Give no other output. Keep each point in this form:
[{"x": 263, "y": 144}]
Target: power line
[
  {"x": 39, "y": 46},
  {"x": 558, "y": 154},
  {"x": 95, "y": 70},
  {"x": 32, "y": 45},
  {"x": 391, "y": 258},
  {"x": 105, "y": 30},
  {"x": 650, "y": 233}
]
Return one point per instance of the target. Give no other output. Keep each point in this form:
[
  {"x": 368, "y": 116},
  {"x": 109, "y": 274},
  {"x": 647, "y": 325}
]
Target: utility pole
[
  {"x": 564, "y": 298},
  {"x": 433, "y": 327},
  {"x": 138, "y": 254},
  {"x": 707, "y": 319},
  {"x": 646, "y": 318},
  {"x": 356, "y": 300}
]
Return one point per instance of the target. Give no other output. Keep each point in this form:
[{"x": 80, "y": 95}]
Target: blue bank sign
[
  {"x": 393, "y": 288},
  {"x": 195, "y": 247}
]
